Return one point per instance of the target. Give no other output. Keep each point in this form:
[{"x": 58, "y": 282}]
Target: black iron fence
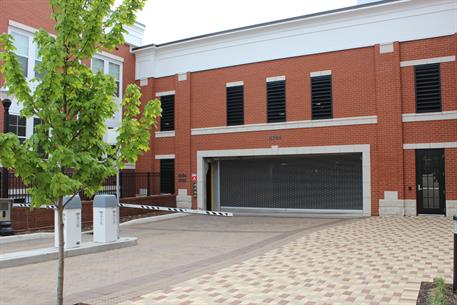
[{"x": 130, "y": 185}]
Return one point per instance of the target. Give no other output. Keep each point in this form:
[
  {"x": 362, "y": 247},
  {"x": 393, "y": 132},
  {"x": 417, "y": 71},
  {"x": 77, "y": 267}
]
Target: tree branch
[{"x": 71, "y": 198}]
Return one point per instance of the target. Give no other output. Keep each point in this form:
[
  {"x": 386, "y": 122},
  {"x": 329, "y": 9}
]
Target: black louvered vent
[
  {"x": 167, "y": 176},
  {"x": 276, "y": 101},
  {"x": 428, "y": 88},
  {"x": 321, "y": 97},
  {"x": 167, "y": 122},
  {"x": 235, "y": 105}
]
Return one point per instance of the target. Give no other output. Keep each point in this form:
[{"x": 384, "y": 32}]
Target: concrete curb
[
  {"x": 14, "y": 259},
  {"x": 24, "y": 237},
  {"x": 152, "y": 219},
  {"x": 33, "y": 236}
]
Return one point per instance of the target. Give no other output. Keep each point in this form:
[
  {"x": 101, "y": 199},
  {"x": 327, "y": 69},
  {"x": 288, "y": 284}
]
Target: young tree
[{"x": 67, "y": 154}]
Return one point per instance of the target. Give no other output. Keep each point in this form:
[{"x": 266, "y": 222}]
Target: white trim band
[
  {"x": 320, "y": 73},
  {"x": 161, "y": 157},
  {"x": 23, "y": 27},
  {"x": 275, "y": 78},
  {"x": 430, "y": 145},
  {"x": 363, "y": 120},
  {"x": 431, "y": 116},
  {"x": 164, "y": 93},
  {"x": 433, "y": 60},
  {"x": 234, "y": 84},
  {"x": 130, "y": 166},
  {"x": 165, "y": 134},
  {"x": 110, "y": 56}
]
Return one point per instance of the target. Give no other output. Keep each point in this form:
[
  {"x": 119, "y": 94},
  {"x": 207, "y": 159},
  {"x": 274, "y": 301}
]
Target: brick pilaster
[
  {"x": 183, "y": 138},
  {"x": 389, "y": 127}
]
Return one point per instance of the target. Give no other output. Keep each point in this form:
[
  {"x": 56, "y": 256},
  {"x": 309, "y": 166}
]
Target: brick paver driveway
[
  {"x": 169, "y": 252},
  {"x": 367, "y": 261}
]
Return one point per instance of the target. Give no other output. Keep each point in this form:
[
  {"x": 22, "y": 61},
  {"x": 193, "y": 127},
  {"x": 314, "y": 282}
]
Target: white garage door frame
[{"x": 202, "y": 166}]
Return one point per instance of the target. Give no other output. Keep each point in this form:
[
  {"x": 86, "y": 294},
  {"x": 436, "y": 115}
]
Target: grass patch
[{"x": 439, "y": 294}]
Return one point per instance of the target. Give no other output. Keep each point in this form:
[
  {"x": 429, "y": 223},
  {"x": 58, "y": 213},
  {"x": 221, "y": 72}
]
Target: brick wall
[
  {"x": 365, "y": 82},
  {"x": 43, "y": 219}
]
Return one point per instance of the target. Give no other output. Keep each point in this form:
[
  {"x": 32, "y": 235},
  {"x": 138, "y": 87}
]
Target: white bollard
[
  {"x": 72, "y": 223},
  {"x": 106, "y": 219}
]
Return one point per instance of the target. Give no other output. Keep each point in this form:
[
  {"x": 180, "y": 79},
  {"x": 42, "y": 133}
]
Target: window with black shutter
[
  {"x": 428, "y": 88},
  {"x": 17, "y": 125},
  {"x": 167, "y": 176},
  {"x": 167, "y": 121},
  {"x": 321, "y": 97},
  {"x": 235, "y": 105},
  {"x": 276, "y": 101}
]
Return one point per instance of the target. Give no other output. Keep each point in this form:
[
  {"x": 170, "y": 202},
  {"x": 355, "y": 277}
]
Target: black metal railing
[{"x": 130, "y": 185}]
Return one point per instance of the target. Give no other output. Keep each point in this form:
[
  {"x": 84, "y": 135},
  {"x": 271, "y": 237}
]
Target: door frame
[
  {"x": 442, "y": 196},
  {"x": 203, "y": 155}
]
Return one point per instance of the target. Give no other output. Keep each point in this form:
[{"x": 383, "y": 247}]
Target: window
[
  {"x": 167, "y": 176},
  {"x": 276, "y": 101},
  {"x": 167, "y": 121},
  {"x": 235, "y": 105},
  {"x": 428, "y": 88},
  {"x": 321, "y": 97},
  {"x": 111, "y": 68},
  {"x": 115, "y": 72},
  {"x": 37, "y": 62},
  {"x": 36, "y": 122},
  {"x": 98, "y": 65},
  {"x": 18, "y": 126},
  {"x": 21, "y": 42}
]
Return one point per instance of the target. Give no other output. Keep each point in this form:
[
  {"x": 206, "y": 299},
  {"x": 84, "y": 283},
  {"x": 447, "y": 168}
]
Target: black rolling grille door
[
  {"x": 167, "y": 176},
  {"x": 235, "y": 105},
  {"x": 428, "y": 88},
  {"x": 276, "y": 101},
  {"x": 311, "y": 182}
]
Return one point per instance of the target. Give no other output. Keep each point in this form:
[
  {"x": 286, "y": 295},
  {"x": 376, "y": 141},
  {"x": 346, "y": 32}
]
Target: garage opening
[{"x": 311, "y": 182}]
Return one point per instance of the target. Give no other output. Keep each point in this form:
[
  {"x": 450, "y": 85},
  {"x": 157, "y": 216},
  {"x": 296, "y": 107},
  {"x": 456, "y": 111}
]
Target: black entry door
[
  {"x": 167, "y": 176},
  {"x": 430, "y": 181}
]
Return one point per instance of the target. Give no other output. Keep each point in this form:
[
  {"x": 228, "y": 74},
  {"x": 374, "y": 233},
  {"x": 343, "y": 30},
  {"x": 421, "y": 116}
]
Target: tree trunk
[{"x": 60, "y": 275}]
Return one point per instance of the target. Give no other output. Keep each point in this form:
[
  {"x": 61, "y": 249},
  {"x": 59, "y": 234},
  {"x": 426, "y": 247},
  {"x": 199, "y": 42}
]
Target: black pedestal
[{"x": 5, "y": 228}]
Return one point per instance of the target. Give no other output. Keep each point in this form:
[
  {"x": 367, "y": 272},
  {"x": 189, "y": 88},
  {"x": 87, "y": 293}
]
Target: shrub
[{"x": 439, "y": 294}]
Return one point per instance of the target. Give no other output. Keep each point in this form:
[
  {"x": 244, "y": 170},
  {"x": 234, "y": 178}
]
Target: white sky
[{"x": 169, "y": 20}]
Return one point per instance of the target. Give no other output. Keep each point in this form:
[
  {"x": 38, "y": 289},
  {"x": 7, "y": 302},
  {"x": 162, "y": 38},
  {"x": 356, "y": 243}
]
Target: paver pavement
[
  {"x": 168, "y": 252},
  {"x": 370, "y": 261}
]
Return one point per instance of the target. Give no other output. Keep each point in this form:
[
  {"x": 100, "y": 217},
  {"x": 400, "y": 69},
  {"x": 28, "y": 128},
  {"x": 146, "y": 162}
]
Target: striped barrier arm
[
  {"x": 179, "y": 210},
  {"x": 28, "y": 205},
  {"x": 144, "y": 207}
]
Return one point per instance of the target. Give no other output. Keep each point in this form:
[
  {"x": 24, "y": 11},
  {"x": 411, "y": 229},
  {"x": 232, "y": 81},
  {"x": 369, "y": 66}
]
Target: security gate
[{"x": 311, "y": 182}]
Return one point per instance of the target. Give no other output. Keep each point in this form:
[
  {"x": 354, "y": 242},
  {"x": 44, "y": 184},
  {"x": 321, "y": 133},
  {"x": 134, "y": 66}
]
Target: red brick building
[{"x": 349, "y": 111}]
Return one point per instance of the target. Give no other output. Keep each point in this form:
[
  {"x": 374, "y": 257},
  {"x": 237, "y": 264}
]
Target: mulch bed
[{"x": 426, "y": 288}]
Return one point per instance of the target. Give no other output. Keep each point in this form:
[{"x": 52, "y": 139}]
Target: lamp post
[
  {"x": 6, "y": 123},
  {"x": 5, "y": 204}
]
